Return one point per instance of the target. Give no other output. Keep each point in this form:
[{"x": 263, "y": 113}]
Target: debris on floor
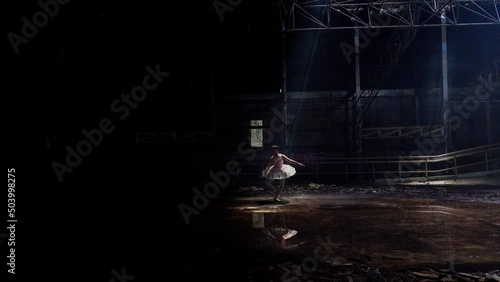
[
  {"x": 356, "y": 271},
  {"x": 470, "y": 194}
]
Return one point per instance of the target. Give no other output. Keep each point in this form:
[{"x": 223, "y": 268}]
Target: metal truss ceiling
[{"x": 305, "y": 15}]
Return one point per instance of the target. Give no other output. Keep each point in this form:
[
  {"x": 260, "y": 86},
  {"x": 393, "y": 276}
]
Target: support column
[
  {"x": 444, "y": 65},
  {"x": 357, "y": 109},
  {"x": 357, "y": 106}
]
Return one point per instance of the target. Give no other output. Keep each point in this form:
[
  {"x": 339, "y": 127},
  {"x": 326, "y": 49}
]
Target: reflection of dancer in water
[{"x": 277, "y": 170}]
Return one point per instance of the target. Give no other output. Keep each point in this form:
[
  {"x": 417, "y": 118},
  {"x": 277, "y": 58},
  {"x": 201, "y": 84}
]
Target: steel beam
[{"x": 331, "y": 14}]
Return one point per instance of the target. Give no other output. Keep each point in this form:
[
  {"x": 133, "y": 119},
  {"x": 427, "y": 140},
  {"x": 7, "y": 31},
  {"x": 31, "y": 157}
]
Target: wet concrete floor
[
  {"x": 310, "y": 230},
  {"x": 387, "y": 232}
]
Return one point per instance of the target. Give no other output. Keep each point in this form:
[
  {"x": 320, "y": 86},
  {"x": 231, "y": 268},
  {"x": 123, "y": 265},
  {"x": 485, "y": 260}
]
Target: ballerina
[{"x": 276, "y": 170}]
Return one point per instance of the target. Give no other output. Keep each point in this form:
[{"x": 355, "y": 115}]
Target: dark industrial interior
[{"x": 139, "y": 132}]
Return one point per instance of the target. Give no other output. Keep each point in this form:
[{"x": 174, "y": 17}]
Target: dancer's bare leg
[
  {"x": 269, "y": 185},
  {"x": 280, "y": 189}
]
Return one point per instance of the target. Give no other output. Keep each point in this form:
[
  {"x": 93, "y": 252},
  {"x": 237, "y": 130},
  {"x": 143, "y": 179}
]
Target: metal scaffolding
[
  {"x": 406, "y": 17},
  {"x": 306, "y": 15}
]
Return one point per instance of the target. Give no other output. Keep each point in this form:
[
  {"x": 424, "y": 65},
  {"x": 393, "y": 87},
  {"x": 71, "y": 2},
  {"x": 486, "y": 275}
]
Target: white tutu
[{"x": 283, "y": 172}]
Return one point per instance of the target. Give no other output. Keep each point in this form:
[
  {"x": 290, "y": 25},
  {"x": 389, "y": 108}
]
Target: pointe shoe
[{"x": 277, "y": 199}]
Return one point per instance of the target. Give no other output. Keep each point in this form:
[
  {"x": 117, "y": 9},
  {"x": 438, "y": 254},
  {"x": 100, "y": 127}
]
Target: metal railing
[{"x": 401, "y": 131}]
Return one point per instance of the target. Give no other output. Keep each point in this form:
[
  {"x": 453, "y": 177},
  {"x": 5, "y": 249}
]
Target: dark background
[{"x": 65, "y": 78}]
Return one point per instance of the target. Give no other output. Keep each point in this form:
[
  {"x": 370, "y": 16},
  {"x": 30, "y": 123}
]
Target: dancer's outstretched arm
[{"x": 292, "y": 161}]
